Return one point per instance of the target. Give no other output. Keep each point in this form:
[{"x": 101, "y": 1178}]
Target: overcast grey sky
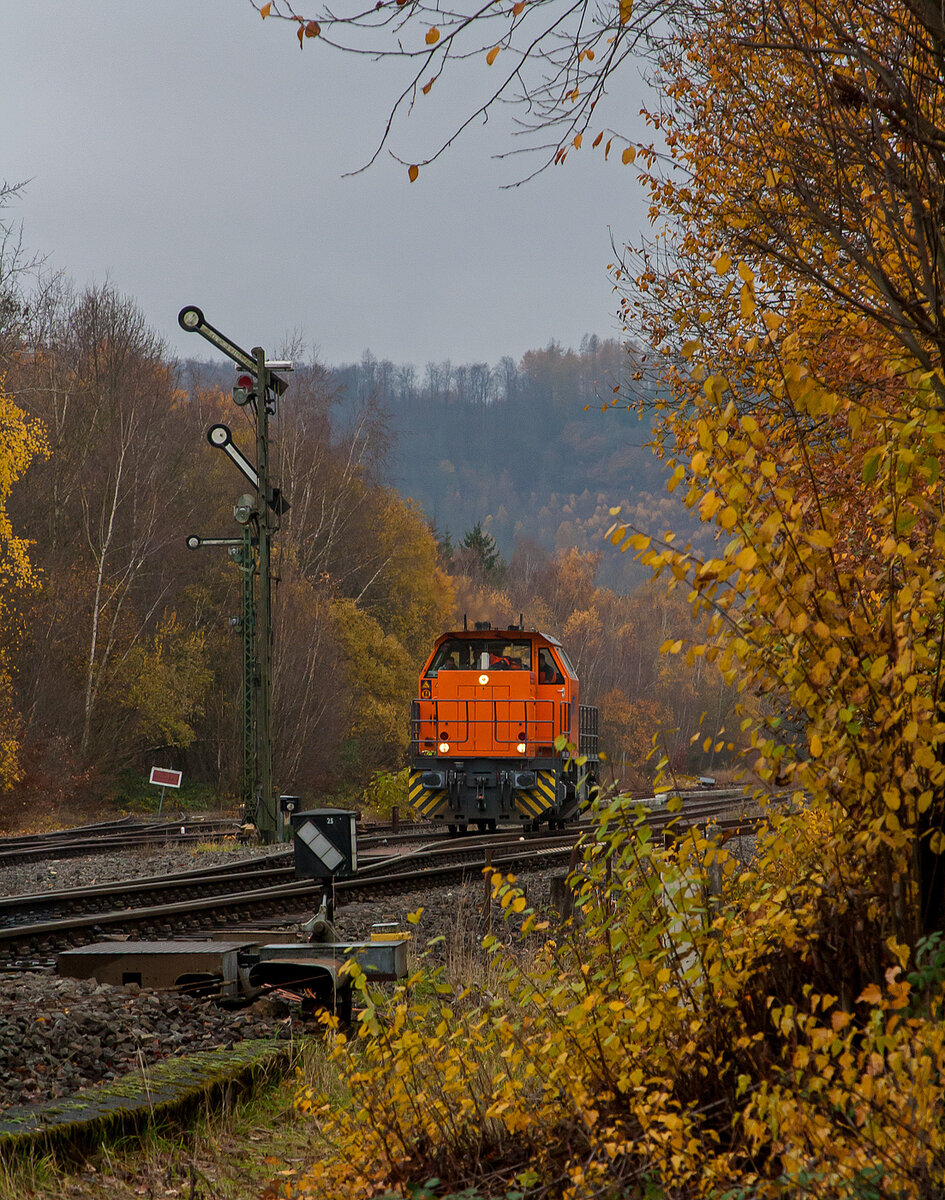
[{"x": 143, "y": 127}]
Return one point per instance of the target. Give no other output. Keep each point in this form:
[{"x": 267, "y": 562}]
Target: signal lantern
[{"x": 243, "y": 389}]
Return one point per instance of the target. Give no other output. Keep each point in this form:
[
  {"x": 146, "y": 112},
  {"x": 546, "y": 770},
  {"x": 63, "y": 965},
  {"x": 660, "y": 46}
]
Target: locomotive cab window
[
  {"x": 562, "y": 656},
  {"x": 481, "y": 654},
  {"x": 548, "y": 671},
  {"x": 506, "y": 656}
]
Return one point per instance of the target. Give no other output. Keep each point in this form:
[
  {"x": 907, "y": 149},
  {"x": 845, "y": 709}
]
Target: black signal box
[{"x": 326, "y": 843}]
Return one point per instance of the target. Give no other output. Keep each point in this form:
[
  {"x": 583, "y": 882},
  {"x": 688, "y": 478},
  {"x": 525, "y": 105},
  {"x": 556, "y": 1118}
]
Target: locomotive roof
[{"x": 511, "y": 632}]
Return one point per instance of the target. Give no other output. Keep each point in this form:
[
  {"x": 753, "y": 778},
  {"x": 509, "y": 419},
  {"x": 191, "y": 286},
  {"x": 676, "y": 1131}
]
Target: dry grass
[{"x": 230, "y": 1154}]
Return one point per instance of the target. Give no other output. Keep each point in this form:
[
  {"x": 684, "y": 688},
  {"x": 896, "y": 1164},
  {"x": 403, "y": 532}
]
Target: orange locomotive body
[{"x": 496, "y": 729}]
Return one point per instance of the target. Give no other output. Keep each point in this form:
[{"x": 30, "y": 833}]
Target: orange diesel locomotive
[{"x": 494, "y": 705}]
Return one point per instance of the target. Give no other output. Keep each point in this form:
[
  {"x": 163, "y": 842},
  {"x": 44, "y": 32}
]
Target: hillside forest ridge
[{"x": 122, "y": 647}]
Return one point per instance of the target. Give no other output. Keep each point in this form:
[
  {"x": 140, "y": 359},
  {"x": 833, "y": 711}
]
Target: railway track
[
  {"x": 35, "y": 946},
  {"x": 109, "y": 836},
  {"x": 257, "y": 873},
  {"x": 264, "y": 891},
  {"x": 128, "y": 834}
]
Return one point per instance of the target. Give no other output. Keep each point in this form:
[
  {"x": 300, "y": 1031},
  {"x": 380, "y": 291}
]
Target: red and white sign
[{"x": 165, "y": 778}]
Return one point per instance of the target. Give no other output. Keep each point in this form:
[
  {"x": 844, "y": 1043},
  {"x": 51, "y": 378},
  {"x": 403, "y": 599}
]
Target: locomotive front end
[{"x": 490, "y": 729}]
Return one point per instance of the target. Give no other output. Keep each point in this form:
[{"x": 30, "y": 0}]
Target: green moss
[{"x": 164, "y": 1093}]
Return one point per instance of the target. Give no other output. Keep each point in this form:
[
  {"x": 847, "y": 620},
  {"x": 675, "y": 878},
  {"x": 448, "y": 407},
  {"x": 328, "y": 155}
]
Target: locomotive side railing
[{"x": 507, "y": 723}]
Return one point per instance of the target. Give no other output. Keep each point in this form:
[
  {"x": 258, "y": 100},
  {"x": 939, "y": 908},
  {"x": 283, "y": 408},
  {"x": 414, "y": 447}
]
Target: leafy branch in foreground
[{"x": 551, "y": 58}]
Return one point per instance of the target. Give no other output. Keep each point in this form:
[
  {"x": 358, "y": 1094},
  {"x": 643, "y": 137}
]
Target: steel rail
[{"x": 296, "y": 898}]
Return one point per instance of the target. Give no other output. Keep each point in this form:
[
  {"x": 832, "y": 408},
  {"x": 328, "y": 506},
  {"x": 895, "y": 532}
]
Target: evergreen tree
[{"x": 483, "y": 550}]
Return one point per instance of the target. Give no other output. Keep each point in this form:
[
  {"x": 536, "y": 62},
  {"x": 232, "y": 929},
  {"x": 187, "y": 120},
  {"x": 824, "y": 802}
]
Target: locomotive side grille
[{"x": 588, "y": 738}]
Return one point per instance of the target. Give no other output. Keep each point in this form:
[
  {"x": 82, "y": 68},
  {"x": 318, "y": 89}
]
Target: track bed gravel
[
  {"x": 58, "y": 1035},
  {"x": 113, "y": 866}
]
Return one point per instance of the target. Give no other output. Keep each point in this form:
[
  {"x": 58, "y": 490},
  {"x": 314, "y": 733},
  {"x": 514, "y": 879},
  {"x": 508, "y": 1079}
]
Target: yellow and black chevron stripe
[
  {"x": 425, "y": 802},
  {"x": 541, "y": 797}
]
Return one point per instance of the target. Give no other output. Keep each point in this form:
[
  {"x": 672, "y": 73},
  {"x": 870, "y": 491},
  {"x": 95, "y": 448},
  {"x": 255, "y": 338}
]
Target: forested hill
[{"x": 524, "y": 448}]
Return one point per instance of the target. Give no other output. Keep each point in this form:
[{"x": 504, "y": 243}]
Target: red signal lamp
[{"x": 243, "y": 389}]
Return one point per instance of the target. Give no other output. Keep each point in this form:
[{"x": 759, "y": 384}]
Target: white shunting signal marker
[{"x": 320, "y": 846}]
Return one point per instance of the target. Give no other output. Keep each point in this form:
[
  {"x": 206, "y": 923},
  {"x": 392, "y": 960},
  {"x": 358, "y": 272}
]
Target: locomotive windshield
[
  {"x": 567, "y": 662},
  {"x": 481, "y": 654}
]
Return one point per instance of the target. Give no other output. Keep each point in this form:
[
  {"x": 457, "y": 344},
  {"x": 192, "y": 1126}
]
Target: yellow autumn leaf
[
  {"x": 816, "y": 746},
  {"x": 493, "y": 55},
  {"x": 870, "y": 995},
  {"x": 746, "y": 299},
  {"x": 265, "y": 10},
  {"x": 709, "y": 505},
  {"x": 577, "y": 141},
  {"x": 413, "y": 171},
  {"x": 628, "y": 155},
  {"x": 433, "y": 36},
  {"x": 626, "y": 11},
  {"x": 722, "y": 263}
]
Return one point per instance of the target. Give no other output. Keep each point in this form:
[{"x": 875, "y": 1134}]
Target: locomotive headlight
[
  {"x": 444, "y": 747},
  {"x": 520, "y": 747},
  {"x": 483, "y": 679}
]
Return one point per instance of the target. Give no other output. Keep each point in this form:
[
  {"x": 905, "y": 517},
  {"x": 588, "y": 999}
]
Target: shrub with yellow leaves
[{"x": 676, "y": 1036}]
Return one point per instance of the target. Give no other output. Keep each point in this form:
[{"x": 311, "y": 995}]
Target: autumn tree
[
  {"x": 98, "y": 378},
  {"x": 21, "y": 442},
  {"x": 806, "y": 297},
  {"x": 359, "y": 592}
]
